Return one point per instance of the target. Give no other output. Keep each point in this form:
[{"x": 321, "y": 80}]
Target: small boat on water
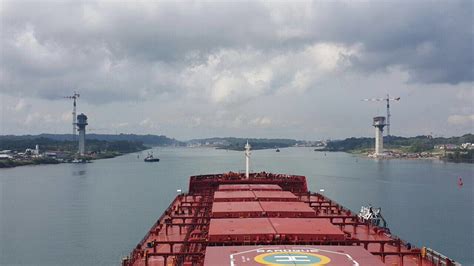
[
  {"x": 80, "y": 160},
  {"x": 150, "y": 158},
  {"x": 277, "y": 150}
]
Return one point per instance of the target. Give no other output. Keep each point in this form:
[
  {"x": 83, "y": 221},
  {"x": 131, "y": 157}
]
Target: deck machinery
[{"x": 268, "y": 219}]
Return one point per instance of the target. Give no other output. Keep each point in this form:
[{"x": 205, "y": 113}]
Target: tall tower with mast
[{"x": 75, "y": 96}]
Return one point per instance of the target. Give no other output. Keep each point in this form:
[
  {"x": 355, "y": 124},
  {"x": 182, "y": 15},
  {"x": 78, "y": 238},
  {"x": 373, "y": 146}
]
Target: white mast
[
  {"x": 75, "y": 96},
  {"x": 74, "y": 119},
  {"x": 247, "y": 159}
]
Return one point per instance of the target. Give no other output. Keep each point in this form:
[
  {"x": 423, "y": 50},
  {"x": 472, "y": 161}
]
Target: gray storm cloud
[
  {"x": 226, "y": 54},
  {"x": 125, "y": 47}
]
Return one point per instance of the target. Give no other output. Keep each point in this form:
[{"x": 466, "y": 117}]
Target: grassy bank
[{"x": 61, "y": 151}]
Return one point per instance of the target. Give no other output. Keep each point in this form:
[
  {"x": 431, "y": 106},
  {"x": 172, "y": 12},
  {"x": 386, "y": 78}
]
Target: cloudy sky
[{"x": 247, "y": 69}]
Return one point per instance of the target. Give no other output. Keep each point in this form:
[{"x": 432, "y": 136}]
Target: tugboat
[
  {"x": 80, "y": 160},
  {"x": 150, "y": 158}
]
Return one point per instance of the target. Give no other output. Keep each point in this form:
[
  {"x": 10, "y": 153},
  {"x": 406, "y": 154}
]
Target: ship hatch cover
[{"x": 290, "y": 255}]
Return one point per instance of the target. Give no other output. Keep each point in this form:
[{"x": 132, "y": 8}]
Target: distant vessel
[
  {"x": 80, "y": 161},
  {"x": 277, "y": 150},
  {"x": 150, "y": 158}
]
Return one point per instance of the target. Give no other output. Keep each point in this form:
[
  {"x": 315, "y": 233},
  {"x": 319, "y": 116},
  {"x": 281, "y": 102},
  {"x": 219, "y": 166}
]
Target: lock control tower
[
  {"x": 81, "y": 127},
  {"x": 379, "y": 124}
]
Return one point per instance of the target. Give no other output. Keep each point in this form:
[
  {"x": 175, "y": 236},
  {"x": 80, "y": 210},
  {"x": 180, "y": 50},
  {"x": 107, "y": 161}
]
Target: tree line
[{"x": 46, "y": 144}]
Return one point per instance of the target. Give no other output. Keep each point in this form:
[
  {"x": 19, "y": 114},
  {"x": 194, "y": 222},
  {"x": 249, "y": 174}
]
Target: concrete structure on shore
[
  {"x": 81, "y": 127},
  {"x": 379, "y": 124}
]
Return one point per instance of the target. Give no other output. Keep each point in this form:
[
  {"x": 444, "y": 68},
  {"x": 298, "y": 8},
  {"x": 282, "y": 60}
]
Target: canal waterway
[{"x": 94, "y": 214}]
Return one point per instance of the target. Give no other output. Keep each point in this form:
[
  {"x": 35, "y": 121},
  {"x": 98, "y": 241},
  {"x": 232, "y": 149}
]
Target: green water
[{"x": 94, "y": 214}]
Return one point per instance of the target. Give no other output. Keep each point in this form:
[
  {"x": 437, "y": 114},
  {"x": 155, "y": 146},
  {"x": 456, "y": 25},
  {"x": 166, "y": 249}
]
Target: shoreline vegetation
[
  {"x": 452, "y": 149},
  {"x": 238, "y": 144},
  {"x": 9, "y": 163},
  {"x": 62, "y": 155},
  {"x": 54, "y": 149}
]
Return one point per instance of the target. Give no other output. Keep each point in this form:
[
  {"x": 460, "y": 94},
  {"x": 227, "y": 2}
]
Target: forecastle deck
[{"x": 268, "y": 219}]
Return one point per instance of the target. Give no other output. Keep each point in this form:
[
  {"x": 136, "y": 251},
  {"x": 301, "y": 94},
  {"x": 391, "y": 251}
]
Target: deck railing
[
  {"x": 134, "y": 255},
  {"x": 437, "y": 258}
]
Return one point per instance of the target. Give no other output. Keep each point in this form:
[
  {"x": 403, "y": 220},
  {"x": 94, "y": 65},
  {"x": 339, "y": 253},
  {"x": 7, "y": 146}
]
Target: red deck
[
  {"x": 242, "y": 209},
  {"x": 245, "y": 195},
  {"x": 249, "y": 187},
  {"x": 233, "y": 187},
  {"x": 270, "y": 229},
  {"x": 264, "y": 187},
  {"x": 275, "y": 195},
  {"x": 236, "y": 209},
  {"x": 227, "y": 219},
  {"x": 249, "y": 195},
  {"x": 287, "y": 209},
  {"x": 240, "y": 230},
  {"x": 290, "y": 255},
  {"x": 306, "y": 229}
]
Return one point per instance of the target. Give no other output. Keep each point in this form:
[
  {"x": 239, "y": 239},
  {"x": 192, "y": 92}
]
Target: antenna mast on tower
[
  {"x": 388, "y": 99},
  {"x": 74, "y": 97}
]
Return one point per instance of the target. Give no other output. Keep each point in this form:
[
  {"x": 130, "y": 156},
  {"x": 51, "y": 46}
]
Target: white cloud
[
  {"x": 36, "y": 54},
  {"x": 66, "y": 117},
  {"x": 238, "y": 122},
  {"x": 261, "y": 122},
  {"x": 231, "y": 76},
  {"x": 123, "y": 124},
  {"x": 466, "y": 94},
  {"x": 148, "y": 123},
  {"x": 461, "y": 119},
  {"x": 195, "y": 121},
  {"x": 32, "y": 118},
  {"x": 21, "y": 105},
  {"x": 227, "y": 76},
  {"x": 40, "y": 118}
]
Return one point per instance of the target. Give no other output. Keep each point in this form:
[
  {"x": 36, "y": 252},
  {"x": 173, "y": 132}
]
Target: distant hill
[
  {"x": 153, "y": 140},
  {"x": 414, "y": 144},
  {"x": 232, "y": 143}
]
